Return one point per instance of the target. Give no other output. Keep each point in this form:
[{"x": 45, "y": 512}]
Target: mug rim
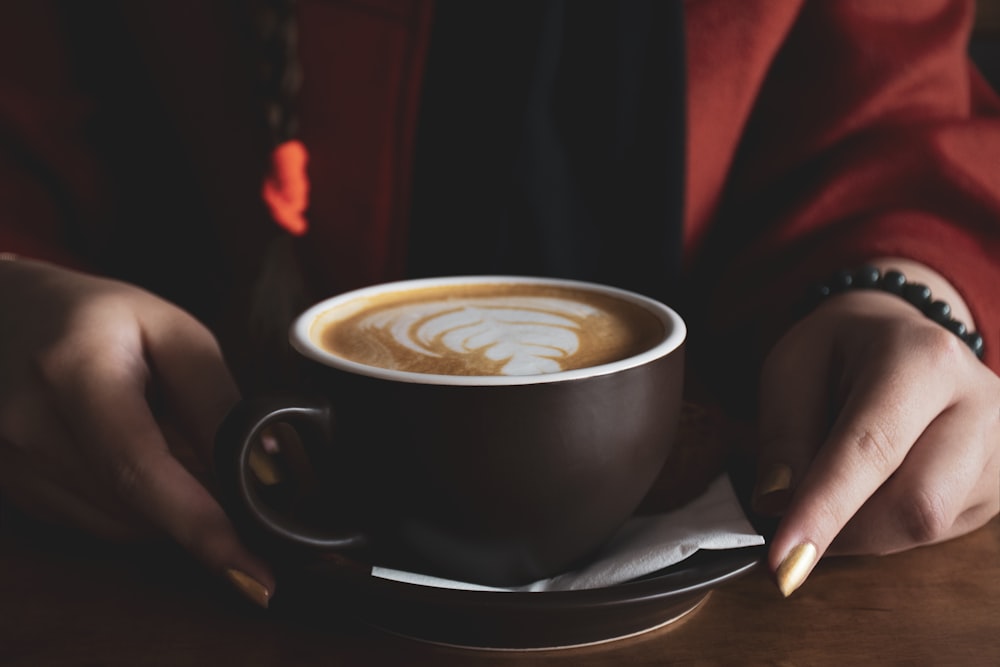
[{"x": 302, "y": 342}]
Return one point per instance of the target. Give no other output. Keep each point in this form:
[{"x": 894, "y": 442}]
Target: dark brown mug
[{"x": 490, "y": 429}]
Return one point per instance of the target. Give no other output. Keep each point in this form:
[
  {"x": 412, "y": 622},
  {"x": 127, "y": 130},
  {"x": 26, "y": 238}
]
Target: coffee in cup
[
  {"x": 486, "y": 329},
  {"x": 493, "y": 429}
]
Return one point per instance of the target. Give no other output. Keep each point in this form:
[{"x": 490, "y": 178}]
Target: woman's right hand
[{"x": 109, "y": 402}]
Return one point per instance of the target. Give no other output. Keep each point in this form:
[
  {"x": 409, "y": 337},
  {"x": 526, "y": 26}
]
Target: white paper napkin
[{"x": 644, "y": 545}]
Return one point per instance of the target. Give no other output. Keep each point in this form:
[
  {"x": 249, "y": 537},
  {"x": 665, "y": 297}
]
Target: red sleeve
[
  {"x": 49, "y": 177},
  {"x": 871, "y": 135}
]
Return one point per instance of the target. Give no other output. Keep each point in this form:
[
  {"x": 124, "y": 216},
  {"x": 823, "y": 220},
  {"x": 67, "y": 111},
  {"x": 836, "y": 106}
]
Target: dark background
[{"x": 985, "y": 44}]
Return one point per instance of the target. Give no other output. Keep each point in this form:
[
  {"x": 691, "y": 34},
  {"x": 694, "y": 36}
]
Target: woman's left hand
[{"x": 880, "y": 431}]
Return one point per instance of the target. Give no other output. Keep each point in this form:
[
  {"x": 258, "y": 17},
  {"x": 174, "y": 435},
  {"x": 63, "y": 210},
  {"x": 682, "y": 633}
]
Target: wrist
[
  {"x": 893, "y": 283},
  {"x": 943, "y": 290}
]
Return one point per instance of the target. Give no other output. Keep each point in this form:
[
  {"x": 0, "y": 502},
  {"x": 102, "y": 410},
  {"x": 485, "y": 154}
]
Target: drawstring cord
[{"x": 286, "y": 187}]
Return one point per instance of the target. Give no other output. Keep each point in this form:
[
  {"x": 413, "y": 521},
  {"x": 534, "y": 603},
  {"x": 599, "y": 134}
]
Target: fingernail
[
  {"x": 263, "y": 468},
  {"x": 795, "y": 567},
  {"x": 251, "y": 589},
  {"x": 771, "y": 494}
]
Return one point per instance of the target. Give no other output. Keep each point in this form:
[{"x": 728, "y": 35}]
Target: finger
[
  {"x": 188, "y": 364},
  {"x": 54, "y": 502},
  {"x": 793, "y": 419},
  {"x": 39, "y": 447},
  {"x": 30, "y": 423},
  {"x": 941, "y": 490},
  {"x": 104, "y": 401},
  {"x": 885, "y": 412}
]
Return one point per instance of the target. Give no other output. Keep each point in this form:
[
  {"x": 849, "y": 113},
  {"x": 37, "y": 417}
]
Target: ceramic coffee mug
[{"x": 490, "y": 429}]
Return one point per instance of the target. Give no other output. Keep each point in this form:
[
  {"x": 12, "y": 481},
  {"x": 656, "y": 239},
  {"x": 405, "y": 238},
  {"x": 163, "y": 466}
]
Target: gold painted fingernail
[
  {"x": 796, "y": 567},
  {"x": 251, "y": 589},
  {"x": 771, "y": 494},
  {"x": 263, "y": 468}
]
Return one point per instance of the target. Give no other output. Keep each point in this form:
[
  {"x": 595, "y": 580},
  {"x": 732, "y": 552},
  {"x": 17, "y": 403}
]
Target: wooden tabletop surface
[{"x": 66, "y": 601}]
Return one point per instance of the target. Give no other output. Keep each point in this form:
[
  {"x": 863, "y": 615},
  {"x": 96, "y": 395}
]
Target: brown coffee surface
[{"x": 487, "y": 329}]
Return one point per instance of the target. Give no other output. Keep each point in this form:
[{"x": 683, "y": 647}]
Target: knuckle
[
  {"x": 130, "y": 478},
  {"x": 72, "y": 367},
  {"x": 925, "y": 518},
  {"x": 940, "y": 347},
  {"x": 61, "y": 361},
  {"x": 51, "y": 363},
  {"x": 876, "y": 448}
]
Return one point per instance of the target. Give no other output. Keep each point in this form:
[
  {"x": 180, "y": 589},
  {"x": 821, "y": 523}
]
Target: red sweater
[{"x": 820, "y": 133}]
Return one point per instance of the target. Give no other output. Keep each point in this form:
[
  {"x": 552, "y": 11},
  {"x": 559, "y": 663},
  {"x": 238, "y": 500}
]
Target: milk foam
[
  {"x": 512, "y": 329},
  {"x": 528, "y": 335}
]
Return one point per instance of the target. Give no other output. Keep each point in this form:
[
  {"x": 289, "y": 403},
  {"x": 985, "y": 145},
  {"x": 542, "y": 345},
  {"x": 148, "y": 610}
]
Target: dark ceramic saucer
[
  {"x": 527, "y": 620},
  {"x": 532, "y": 620}
]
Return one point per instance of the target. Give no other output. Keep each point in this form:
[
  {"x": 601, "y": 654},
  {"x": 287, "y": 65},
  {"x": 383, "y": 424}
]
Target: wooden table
[{"x": 64, "y": 601}]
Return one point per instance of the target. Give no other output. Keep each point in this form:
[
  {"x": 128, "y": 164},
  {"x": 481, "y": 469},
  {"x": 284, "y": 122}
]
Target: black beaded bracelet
[{"x": 893, "y": 282}]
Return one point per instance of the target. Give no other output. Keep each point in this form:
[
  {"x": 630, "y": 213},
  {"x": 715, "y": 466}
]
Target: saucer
[{"x": 524, "y": 620}]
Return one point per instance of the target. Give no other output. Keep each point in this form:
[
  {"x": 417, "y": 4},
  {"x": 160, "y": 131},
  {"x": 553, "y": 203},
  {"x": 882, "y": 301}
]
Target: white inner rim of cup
[{"x": 302, "y": 341}]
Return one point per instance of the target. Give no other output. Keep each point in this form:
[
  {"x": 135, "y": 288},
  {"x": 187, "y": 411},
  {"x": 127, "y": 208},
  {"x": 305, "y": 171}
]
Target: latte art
[
  {"x": 527, "y": 335},
  {"x": 489, "y": 330}
]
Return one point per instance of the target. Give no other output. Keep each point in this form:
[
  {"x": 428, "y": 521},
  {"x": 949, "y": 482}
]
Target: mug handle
[{"x": 239, "y": 430}]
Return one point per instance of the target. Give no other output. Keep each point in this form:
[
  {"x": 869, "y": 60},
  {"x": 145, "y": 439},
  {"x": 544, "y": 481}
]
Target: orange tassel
[{"x": 286, "y": 189}]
